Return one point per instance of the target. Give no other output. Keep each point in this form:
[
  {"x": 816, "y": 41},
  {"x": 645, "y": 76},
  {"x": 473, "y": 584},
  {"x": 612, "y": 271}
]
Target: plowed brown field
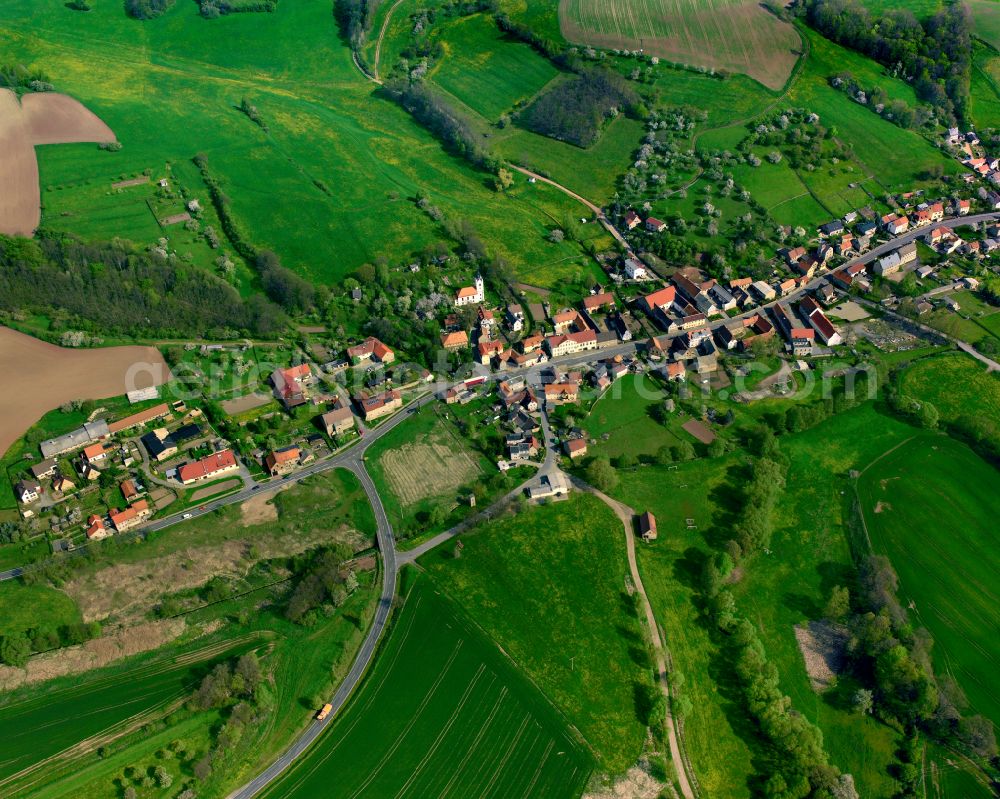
[
  {"x": 44, "y": 118},
  {"x": 39, "y": 377}
]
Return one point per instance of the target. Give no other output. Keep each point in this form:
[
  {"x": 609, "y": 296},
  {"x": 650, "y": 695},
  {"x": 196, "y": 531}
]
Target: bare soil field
[
  {"x": 212, "y": 490},
  {"x": 729, "y": 35},
  {"x": 238, "y": 405},
  {"x": 44, "y": 118},
  {"x": 427, "y": 469},
  {"x": 39, "y": 377},
  {"x": 20, "y": 209},
  {"x": 823, "y": 647},
  {"x": 699, "y": 431}
]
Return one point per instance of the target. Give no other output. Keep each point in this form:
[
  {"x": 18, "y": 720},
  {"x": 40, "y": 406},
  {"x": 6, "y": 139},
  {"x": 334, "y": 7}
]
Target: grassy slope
[
  {"x": 23, "y": 607},
  {"x": 169, "y": 88},
  {"x": 956, "y": 384},
  {"x": 548, "y": 586},
  {"x": 442, "y": 710},
  {"x": 938, "y": 526}
]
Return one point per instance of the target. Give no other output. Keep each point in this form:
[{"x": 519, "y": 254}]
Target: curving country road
[{"x": 364, "y": 657}]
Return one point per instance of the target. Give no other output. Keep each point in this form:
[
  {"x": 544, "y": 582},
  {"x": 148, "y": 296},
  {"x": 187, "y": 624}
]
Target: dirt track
[
  {"x": 39, "y": 377},
  {"x": 45, "y": 118}
]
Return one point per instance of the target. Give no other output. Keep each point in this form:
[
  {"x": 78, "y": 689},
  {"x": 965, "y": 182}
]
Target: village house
[
  {"x": 514, "y": 318},
  {"x": 561, "y": 393},
  {"x": 44, "y": 469},
  {"x": 159, "y": 444},
  {"x": 379, "y": 405},
  {"x": 131, "y": 517},
  {"x": 820, "y": 323},
  {"x": 62, "y": 485},
  {"x": 654, "y": 225},
  {"x": 94, "y": 454},
  {"x": 95, "y": 529},
  {"x": 210, "y": 466},
  {"x": 371, "y": 349},
  {"x": 488, "y": 350},
  {"x": 834, "y": 228},
  {"x": 459, "y": 340},
  {"x": 632, "y": 220},
  {"x": 338, "y": 421},
  {"x": 887, "y": 265},
  {"x": 290, "y": 385},
  {"x": 647, "y": 526},
  {"x": 722, "y": 298},
  {"x": 28, "y": 491},
  {"x": 571, "y": 343},
  {"x": 635, "y": 270},
  {"x": 599, "y": 302},
  {"x": 142, "y": 417},
  {"x": 471, "y": 295},
  {"x": 282, "y": 461},
  {"x": 763, "y": 290},
  {"x": 532, "y": 343},
  {"x": 659, "y": 301},
  {"x": 575, "y": 448},
  {"x": 128, "y": 489},
  {"x": 962, "y": 207},
  {"x": 89, "y": 433},
  {"x": 676, "y": 371},
  {"x": 567, "y": 321},
  {"x": 895, "y": 224}
]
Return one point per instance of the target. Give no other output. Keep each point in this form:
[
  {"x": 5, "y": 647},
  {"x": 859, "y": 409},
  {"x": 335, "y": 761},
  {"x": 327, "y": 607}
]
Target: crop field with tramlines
[
  {"x": 442, "y": 714},
  {"x": 730, "y": 35}
]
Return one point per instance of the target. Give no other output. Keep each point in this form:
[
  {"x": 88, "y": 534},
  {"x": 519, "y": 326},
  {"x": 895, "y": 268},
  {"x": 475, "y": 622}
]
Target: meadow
[
  {"x": 727, "y": 35},
  {"x": 622, "y": 419},
  {"x": 345, "y": 162},
  {"x": 931, "y": 507},
  {"x": 958, "y": 386},
  {"x": 444, "y": 713},
  {"x": 487, "y": 71},
  {"x": 548, "y": 585}
]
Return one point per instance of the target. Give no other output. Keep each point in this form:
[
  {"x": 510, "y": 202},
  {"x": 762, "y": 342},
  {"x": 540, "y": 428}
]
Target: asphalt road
[{"x": 364, "y": 657}]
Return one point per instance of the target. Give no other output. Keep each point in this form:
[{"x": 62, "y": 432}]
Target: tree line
[
  {"x": 283, "y": 286},
  {"x": 934, "y": 55},
  {"x": 116, "y": 288},
  {"x": 17, "y": 647}
]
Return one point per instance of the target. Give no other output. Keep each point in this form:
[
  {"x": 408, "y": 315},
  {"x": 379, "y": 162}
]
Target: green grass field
[
  {"x": 623, "y": 414},
  {"x": 931, "y": 507},
  {"x": 442, "y": 713},
  {"x": 22, "y": 607},
  {"x": 728, "y": 35},
  {"x": 169, "y": 89},
  {"x": 486, "y": 71},
  {"x": 956, "y": 384},
  {"x": 549, "y": 586},
  {"x": 986, "y": 18}
]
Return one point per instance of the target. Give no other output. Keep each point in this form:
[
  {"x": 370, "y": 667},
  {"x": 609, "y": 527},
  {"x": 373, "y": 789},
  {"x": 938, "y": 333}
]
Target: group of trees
[
  {"x": 16, "y": 648},
  {"x": 20, "y": 78},
  {"x": 116, "y": 288},
  {"x": 760, "y": 496},
  {"x": 876, "y": 98},
  {"x": 146, "y": 9},
  {"x": 575, "y": 110},
  {"x": 935, "y": 56},
  {"x": 354, "y": 20},
  {"x": 213, "y": 9},
  {"x": 892, "y": 657},
  {"x": 322, "y": 581}
]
